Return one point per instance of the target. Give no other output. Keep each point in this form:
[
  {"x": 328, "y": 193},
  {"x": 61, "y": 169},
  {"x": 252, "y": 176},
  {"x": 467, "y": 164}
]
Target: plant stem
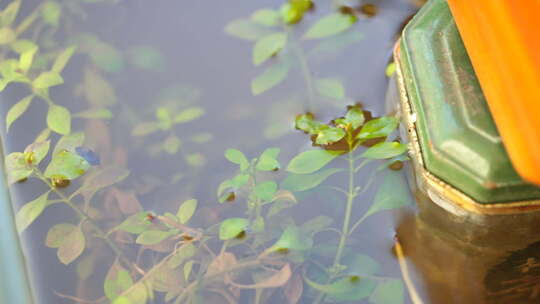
[
  {"x": 304, "y": 66},
  {"x": 348, "y": 212},
  {"x": 84, "y": 217}
]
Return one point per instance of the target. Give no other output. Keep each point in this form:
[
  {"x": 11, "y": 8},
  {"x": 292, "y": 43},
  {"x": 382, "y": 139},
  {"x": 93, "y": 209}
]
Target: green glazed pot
[{"x": 458, "y": 155}]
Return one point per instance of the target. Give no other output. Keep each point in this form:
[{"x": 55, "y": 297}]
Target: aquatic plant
[{"x": 264, "y": 255}]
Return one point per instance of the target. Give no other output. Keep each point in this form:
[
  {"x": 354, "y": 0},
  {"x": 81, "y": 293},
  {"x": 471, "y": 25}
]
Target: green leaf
[
  {"x": 62, "y": 60},
  {"x": 385, "y": 150},
  {"x": 23, "y": 45},
  {"x": 360, "y": 265},
  {"x": 9, "y": 14},
  {"x": 246, "y": 29},
  {"x": 152, "y": 237},
  {"x": 330, "y": 87},
  {"x": 31, "y": 211},
  {"x": 47, "y": 79},
  {"x": 59, "y": 119},
  {"x": 146, "y": 57},
  {"x": 317, "y": 224},
  {"x": 50, "y": 12},
  {"x": 393, "y": 193},
  {"x": 265, "y": 190},
  {"x": 183, "y": 253},
  {"x": 304, "y": 182},
  {"x": 293, "y": 11},
  {"x": 186, "y": 210},
  {"x": 311, "y": 161},
  {"x": 106, "y": 56},
  {"x": 268, "y": 79},
  {"x": 172, "y": 144},
  {"x": 267, "y": 161},
  {"x": 26, "y": 59},
  {"x": 66, "y": 165},
  {"x": 72, "y": 246},
  {"x": 232, "y": 228},
  {"x": 96, "y": 113},
  {"x": 136, "y": 223},
  {"x": 189, "y": 114},
  {"x": 117, "y": 281},
  {"x": 37, "y": 151},
  {"x": 266, "y": 17},
  {"x": 379, "y": 127},
  {"x": 187, "y": 270},
  {"x": 330, "y": 25},
  {"x": 17, "y": 110},
  {"x": 58, "y": 234},
  {"x": 237, "y": 157},
  {"x": 7, "y": 35},
  {"x": 328, "y": 135},
  {"x": 306, "y": 123},
  {"x": 97, "y": 90},
  {"x": 350, "y": 288},
  {"x": 388, "y": 292},
  {"x": 145, "y": 128},
  {"x": 355, "y": 117},
  {"x": 69, "y": 142},
  {"x": 293, "y": 239},
  {"x": 268, "y": 47},
  {"x": 16, "y": 167}
]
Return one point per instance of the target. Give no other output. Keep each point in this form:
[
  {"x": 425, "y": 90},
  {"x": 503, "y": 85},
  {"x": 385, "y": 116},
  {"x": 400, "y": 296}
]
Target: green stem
[
  {"x": 351, "y": 194},
  {"x": 304, "y": 66}
]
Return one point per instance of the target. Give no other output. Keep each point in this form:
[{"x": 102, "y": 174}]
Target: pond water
[{"x": 166, "y": 166}]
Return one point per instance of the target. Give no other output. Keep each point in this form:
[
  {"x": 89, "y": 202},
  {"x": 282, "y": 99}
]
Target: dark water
[{"x": 194, "y": 63}]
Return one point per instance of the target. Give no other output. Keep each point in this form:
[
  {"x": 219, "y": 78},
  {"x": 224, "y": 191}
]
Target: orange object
[{"x": 502, "y": 38}]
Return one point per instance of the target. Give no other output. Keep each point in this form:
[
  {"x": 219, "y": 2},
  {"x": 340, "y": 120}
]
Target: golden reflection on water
[{"x": 491, "y": 260}]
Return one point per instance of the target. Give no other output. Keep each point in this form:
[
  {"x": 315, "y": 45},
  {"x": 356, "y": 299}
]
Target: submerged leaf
[
  {"x": 268, "y": 47},
  {"x": 388, "y": 292},
  {"x": 293, "y": 239},
  {"x": 136, "y": 224},
  {"x": 152, "y": 237},
  {"x": 237, "y": 157},
  {"x": 351, "y": 288},
  {"x": 268, "y": 79},
  {"x": 393, "y": 193},
  {"x": 69, "y": 142},
  {"x": 311, "y": 161},
  {"x": 47, "y": 79},
  {"x": 265, "y": 190},
  {"x": 63, "y": 59},
  {"x": 304, "y": 182},
  {"x": 232, "y": 228},
  {"x": 17, "y": 168},
  {"x": 117, "y": 281},
  {"x": 186, "y": 210},
  {"x": 58, "y": 234},
  {"x": 50, "y": 12},
  {"x": 36, "y": 152},
  {"x": 59, "y": 119},
  {"x": 246, "y": 29},
  {"x": 188, "y": 114},
  {"x": 267, "y": 161},
  {"x": 278, "y": 279},
  {"x": 330, "y": 25},
  {"x": 330, "y": 87},
  {"x": 266, "y": 17},
  {"x": 31, "y": 211},
  {"x": 183, "y": 253},
  {"x": 385, "y": 150},
  {"x": 379, "y": 127},
  {"x": 72, "y": 246},
  {"x": 66, "y": 165},
  {"x": 146, "y": 57}
]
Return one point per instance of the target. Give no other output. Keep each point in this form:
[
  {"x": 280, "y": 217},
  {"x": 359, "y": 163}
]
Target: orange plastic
[{"x": 502, "y": 38}]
